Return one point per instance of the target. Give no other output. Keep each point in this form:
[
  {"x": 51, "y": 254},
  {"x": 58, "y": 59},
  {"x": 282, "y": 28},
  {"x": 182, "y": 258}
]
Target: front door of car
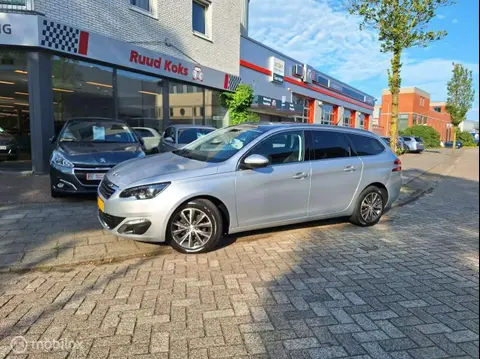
[
  {"x": 278, "y": 192},
  {"x": 336, "y": 173}
]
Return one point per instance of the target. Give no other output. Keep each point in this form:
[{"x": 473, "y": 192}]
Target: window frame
[
  {"x": 354, "y": 150},
  {"x": 207, "y": 5},
  {"x": 311, "y": 149},
  {"x": 306, "y": 154},
  {"x": 152, "y": 12}
]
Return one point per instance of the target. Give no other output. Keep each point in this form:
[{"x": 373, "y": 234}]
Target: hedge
[{"x": 430, "y": 136}]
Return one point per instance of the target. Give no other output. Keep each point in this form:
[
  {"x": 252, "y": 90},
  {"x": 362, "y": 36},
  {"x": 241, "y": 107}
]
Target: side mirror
[
  {"x": 255, "y": 161},
  {"x": 53, "y": 139},
  {"x": 169, "y": 139}
]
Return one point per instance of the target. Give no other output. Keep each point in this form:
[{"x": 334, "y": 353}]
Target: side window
[
  {"x": 329, "y": 144},
  {"x": 283, "y": 148},
  {"x": 365, "y": 145},
  {"x": 144, "y": 133}
]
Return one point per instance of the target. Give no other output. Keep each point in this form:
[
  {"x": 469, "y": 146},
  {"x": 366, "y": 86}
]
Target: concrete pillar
[
  {"x": 318, "y": 112},
  {"x": 341, "y": 111},
  {"x": 40, "y": 96},
  {"x": 244, "y": 17}
]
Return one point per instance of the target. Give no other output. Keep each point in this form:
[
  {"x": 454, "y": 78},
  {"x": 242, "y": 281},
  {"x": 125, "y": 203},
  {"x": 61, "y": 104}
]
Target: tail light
[{"x": 397, "y": 165}]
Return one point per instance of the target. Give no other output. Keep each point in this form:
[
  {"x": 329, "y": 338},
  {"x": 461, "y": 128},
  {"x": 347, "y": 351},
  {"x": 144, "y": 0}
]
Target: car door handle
[
  {"x": 300, "y": 175},
  {"x": 349, "y": 169}
]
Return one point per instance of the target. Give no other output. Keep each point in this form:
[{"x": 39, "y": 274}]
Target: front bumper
[
  {"x": 11, "y": 151},
  {"x": 69, "y": 181},
  {"x": 120, "y": 214}
]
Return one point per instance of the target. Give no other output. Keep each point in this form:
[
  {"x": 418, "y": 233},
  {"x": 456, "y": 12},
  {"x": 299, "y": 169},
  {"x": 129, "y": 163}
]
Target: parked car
[
  {"x": 9, "y": 148},
  {"x": 248, "y": 177},
  {"x": 150, "y": 136},
  {"x": 449, "y": 144},
  {"x": 400, "y": 143},
  {"x": 86, "y": 149},
  {"x": 178, "y": 136},
  {"x": 414, "y": 144}
]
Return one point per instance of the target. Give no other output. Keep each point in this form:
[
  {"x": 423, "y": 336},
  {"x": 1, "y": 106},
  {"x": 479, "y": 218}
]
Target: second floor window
[
  {"x": 143, "y": 4},
  {"x": 199, "y": 17}
]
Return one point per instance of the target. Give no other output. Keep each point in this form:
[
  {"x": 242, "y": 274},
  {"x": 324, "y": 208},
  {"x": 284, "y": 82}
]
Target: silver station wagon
[{"x": 248, "y": 177}]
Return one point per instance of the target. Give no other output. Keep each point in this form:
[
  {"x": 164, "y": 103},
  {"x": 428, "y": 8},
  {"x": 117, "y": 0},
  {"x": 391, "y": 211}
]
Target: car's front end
[
  {"x": 9, "y": 148},
  {"x": 78, "y": 165}
]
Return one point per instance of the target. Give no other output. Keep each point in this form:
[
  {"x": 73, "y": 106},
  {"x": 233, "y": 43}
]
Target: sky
[{"x": 321, "y": 33}]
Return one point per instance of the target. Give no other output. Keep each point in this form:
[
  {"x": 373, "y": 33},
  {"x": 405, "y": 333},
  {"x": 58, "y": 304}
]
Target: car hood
[
  {"x": 104, "y": 154},
  {"x": 159, "y": 168},
  {"x": 6, "y": 137}
]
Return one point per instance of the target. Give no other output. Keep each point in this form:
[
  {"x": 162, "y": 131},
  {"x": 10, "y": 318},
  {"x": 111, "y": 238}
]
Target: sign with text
[
  {"x": 277, "y": 67},
  {"x": 17, "y": 29}
]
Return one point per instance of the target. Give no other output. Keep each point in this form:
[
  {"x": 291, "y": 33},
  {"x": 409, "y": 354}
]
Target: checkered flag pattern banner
[
  {"x": 232, "y": 82},
  {"x": 64, "y": 38}
]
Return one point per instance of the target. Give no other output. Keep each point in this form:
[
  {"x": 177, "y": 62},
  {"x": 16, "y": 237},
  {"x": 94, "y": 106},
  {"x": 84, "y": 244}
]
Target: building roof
[{"x": 409, "y": 90}]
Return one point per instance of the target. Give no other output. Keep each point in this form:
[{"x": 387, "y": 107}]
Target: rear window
[
  {"x": 365, "y": 145},
  {"x": 418, "y": 139}
]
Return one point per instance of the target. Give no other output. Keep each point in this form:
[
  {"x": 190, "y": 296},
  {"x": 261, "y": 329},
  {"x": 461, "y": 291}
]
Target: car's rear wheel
[
  {"x": 370, "y": 207},
  {"x": 195, "y": 227}
]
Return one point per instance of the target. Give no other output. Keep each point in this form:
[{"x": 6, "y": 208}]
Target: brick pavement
[
  {"x": 407, "y": 288},
  {"x": 38, "y": 231}
]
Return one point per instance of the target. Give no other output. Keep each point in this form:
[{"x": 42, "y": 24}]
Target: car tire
[
  {"x": 195, "y": 227},
  {"x": 55, "y": 194},
  {"x": 374, "y": 199}
]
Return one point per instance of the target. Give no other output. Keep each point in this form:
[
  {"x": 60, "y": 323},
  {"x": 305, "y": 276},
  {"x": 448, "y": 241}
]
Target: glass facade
[
  {"x": 186, "y": 103},
  {"x": 360, "y": 120},
  {"x": 327, "y": 114},
  {"x": 402, "y": 122},
  {"x": 80, "y": 89},
  {"x": 140, "y": 100},
  {"x": 15, "y": 139},
  {"x": 347, "y": 118},
  {"x": 305, "y": 102},
  {"x": 215, "y": 114}
]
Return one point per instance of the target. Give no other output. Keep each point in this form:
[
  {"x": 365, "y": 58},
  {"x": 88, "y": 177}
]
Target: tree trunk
[
  {"x": 454, "y": 143},
  {"x": 395, "y": 83}
]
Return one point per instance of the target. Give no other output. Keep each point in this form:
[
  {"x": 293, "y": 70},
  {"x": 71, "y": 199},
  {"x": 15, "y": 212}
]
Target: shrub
[
  {"x": 239, "y": 103},
  {"x": 466, "y": 138},
  {"x": 430, "y": 136}
]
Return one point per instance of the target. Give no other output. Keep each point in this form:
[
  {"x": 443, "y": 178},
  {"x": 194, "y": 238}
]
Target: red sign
[{"x": 158, "y": 63}]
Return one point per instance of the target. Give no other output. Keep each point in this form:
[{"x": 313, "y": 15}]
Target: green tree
[
  {"x": 401, "y": 24},
  {"x": 430, "y": 136},
  {"x": 460, "y": 96},
  {"x": 466, "y": 138},
  {"x": 239, "y": 105}
]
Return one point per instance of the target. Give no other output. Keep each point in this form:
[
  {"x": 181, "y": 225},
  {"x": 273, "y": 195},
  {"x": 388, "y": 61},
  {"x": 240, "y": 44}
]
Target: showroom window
[
  {"x": 80, "y": 89},
  {"x": 327, "y": 115},
  {"x": 347, "y": 118},
  {"x": 140, "y": 100},
  {"x": 200, "y": 17},
  {"x": 143, "y": 5},
  {"x": 360, "y": 120},
  {"x": 15, "y": 145},
  {"x": 305, "y": 102},
  {"x": 184, "y": 103},
  {"x": 215, "y": 114}
]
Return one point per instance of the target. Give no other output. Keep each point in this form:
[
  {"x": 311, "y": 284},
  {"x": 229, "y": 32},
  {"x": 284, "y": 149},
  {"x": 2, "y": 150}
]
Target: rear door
[{"x": 335, "y": 173}]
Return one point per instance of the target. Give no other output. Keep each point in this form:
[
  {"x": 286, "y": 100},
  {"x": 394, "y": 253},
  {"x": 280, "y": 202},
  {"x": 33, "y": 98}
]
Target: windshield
[
  {"x": 97, "y": 131},
  {"x": 220, "y": 145},
  {"x": 188, "y": 135}
]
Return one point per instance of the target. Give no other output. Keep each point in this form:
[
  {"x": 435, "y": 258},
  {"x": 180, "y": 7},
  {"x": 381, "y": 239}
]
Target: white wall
[{"x": 116, "y": 19}]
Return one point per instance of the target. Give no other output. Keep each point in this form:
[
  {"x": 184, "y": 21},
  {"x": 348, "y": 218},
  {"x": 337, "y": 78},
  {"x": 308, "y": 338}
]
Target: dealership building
[{"x": 151, "y": 63}]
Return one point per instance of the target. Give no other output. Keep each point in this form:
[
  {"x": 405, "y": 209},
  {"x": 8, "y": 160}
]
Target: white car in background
[{"x": 150, "y": 136}]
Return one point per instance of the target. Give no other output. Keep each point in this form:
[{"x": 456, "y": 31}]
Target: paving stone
[
  {"x": 302, "y": 343},
  {"x": 462, "y": 336},
  {"x": 327, "y": 353}
]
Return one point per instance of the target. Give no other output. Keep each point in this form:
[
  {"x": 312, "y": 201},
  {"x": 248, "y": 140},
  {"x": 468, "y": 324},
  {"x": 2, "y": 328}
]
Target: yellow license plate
[{"x": 101, "y": 205}]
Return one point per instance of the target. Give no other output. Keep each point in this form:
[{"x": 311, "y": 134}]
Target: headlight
[
  {"x": 59, "y": 160},
  {"x": 145, "y": 192}
]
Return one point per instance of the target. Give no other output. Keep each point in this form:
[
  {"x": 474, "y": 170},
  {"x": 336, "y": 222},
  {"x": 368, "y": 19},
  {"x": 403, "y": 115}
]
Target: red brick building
[{"x": 414, "y": 108}]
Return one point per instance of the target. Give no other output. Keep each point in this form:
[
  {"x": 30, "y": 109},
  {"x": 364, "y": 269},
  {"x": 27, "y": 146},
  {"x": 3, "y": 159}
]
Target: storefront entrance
[{"x": 15, "y": 141}]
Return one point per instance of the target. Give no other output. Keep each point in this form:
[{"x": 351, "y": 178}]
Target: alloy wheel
[
  {"x": 191, "y": 229},
  {"x": 372, "y": 207}
]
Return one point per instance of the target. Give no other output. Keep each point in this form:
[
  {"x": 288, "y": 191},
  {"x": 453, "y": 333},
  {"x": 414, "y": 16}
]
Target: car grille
[
  {"x": 107, "y": 188},
  {"x": 110, "y": 221},
  {"x": 4, "y": 142},
  {"x": 81, "y": 174}
]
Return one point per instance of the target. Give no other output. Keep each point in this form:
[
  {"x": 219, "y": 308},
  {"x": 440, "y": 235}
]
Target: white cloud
[
  {"x": 314, "y": 32},
  {"x": 441, "y": 17},
  {"x": 455, "y": 21}
]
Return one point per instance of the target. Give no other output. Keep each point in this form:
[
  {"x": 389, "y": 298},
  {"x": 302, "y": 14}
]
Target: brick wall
[{"x": 116, "y": 19}]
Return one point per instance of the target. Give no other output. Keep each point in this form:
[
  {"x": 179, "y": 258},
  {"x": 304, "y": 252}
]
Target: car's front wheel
[
  {"x": 370, "y": 207},
  {"x": 195, "y": 227}
]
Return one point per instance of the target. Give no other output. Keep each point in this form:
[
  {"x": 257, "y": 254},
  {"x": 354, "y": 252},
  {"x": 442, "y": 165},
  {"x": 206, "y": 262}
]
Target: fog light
[
  {"x": 135, "y": 226},
  {"x": 60, "y": 185}
]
